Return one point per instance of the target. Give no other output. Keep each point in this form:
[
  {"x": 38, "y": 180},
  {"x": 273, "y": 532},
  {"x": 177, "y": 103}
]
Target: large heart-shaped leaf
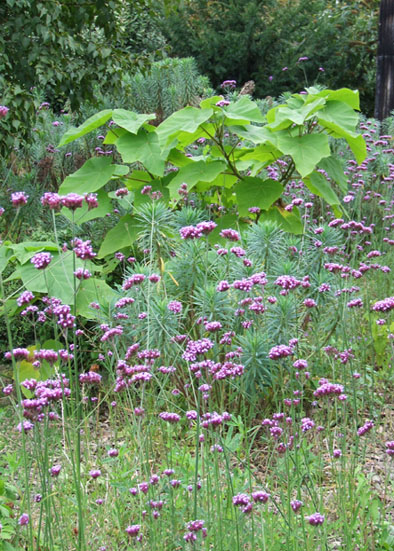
[
  {"x": 255, "y": 192},
  {"x": 193, "y": 173},
  {"x": 306, "y": 151},
  {"x": 185, "y": 120},
  {"x": 57, "y": 280},
  {"x": 130, "y": 120},
  {"x": 144, "y": 148},
  {"x": 289, "y": 221},
  {"x": 122, "y": 235},
  {"x": 318, "y": 185},
  {"x": 335, "y": 169},
  {"x": 243, "y": 110},
  {"x": 92, "y": 176},
  {"x": 90, "y": 124},
  {"x": 93, "y": 290},
  {"x": 339, "y": 117}
]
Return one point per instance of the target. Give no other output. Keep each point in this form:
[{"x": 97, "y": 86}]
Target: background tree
[
  {"x": 63, "y": 47},
  {"x": 263, "y": 40},
  {"x": 384, "y": 103}
]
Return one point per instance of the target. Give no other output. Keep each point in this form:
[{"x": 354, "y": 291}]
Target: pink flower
[
  {"x": 41, "y": 260},
  {"x": 3, "y": 111},
  {"x": 72, "y": 201},
  {"x": 19, "y": 198}
]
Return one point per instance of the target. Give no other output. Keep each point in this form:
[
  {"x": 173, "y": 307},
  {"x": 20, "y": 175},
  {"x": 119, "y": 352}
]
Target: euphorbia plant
[{"x": 245, "y": 159}]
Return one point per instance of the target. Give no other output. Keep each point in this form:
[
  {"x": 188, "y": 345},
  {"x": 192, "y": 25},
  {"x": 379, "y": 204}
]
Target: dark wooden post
[{"x": 384, "y": 98}]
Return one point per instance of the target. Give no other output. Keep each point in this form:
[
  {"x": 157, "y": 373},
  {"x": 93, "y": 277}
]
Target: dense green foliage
[
  {"x": 65, "y": 51},
  {"x": 258, "y": 39}
]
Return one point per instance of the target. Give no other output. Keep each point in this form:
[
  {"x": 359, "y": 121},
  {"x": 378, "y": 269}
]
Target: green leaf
[
  {"x": 27, "y": 249},
  {"x": 318, "y": 185},
  {"x": 289, "y": 221},
  {"x": 255, "y": 192},
  {"x": 26, "y": 370},
  {"x": 129, "y": 120},
  {"x": 255, "y": 134},
  {"x": 122, "y": 235},
  {"x": 306, "y": 151},
  {"x": 92, "y": 176},
  {"x": 265, "y": 152},
  {"x": 90, "y": 124},
  {"x": 185, "y": 120},
  {"x": 340, "y": 118},
  {"x": 84, "y": 214},
  {"x": 93, "y": 290},
  {"x": 243, "y": 111},
  {"x": 335, "y": 169},
  {"x": 224, "y": 222},
  {"x": 211, "y": 102},
  {"x": 5, "y": 255},
  {"x": 285, "y": 116},
  {"x": 113, "y": 134},
  {"x": 144, "y": 148},
  {"x": 199, "y": 171},
  {"x": 359, "y": 148},
  {"x": 57, "y": 281},
  {"x": 350, "y": 97}
]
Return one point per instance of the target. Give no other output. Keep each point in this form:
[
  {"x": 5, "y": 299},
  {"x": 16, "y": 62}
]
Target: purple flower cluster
[
  {"x": 328, "y": 389},
  {"x": 19, "y": 198},
  {"x": 390, "y": 448},
  {"x": 384, "y": 305},
  {"x": 280, "y": 351},
  {"x": 230, "y": 234},
  {"x": 135, "y": 279},
  {"x": 195, "y": 348},
  {"x": 368, "y": 425},
  {"x": 41, "y": 260},
  {"x": 195, "y": 232},
  {"x": 316, "y": 519},
  {"x": 170, "y": 417}
]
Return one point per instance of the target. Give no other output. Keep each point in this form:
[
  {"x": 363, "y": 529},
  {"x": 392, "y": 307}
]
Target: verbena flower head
[
  {"x": 3, "y": 111},
  {"x": 55, "y": 470},
  {"x": 19, "y": 198},
  {"x": 51, "y": 200},
  {"x": 72, "y": 201},
  {"x": 91, "y": 200},
  {"x": 23, "y": 520},
  {"x": 25, "y": 298},
  {"x": 280, "y": 351},
  {"x": 175, "y": 306},
  {"x": 41, "y": 260},
  {"x": 316, "y": 519},
  {"x": 296, "y": 505},
  {"x": 230, "y": 234},
  {"x": 133, "y": 529}
]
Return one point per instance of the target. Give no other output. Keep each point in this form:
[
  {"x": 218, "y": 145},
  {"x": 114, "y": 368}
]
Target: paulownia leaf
[
  {"x": 92, "y": 176},
  {"x": 144, "y": 148},
  {"x": 306, "y": 150},
  {"x": 187, "y": 119},
  {"x": 193, "y": 173},
  {"x": 90, "y": 124},
  {"x": 93, "y": 290},
  {"x": 130, "y": 120},
  {"x": 335, "y": 169},
  {"x": 318, "y": 185},
  {"x": 255, "y": 192},
  {"x": 289, "y": 221},
  {"x": 122, "y": 235}
]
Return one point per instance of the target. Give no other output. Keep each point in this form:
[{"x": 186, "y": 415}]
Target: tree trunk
[{"x": 384, "y": 98}]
